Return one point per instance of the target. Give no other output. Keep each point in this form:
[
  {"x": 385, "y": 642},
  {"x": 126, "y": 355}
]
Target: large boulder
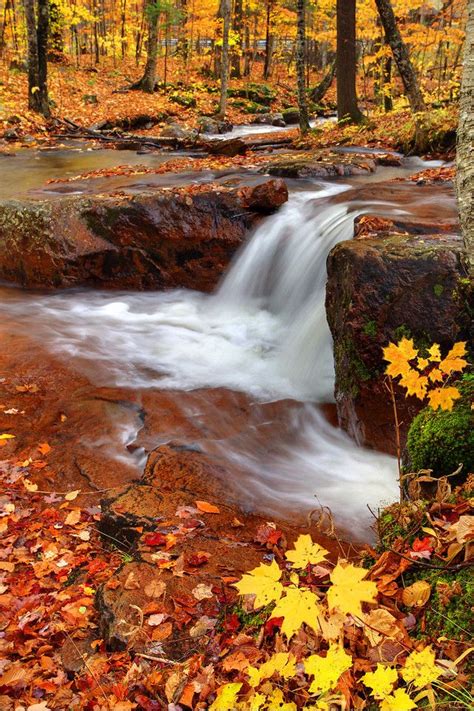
[
  {"x": 155, "y": 240},
  {"x": 380, "y": 289}
]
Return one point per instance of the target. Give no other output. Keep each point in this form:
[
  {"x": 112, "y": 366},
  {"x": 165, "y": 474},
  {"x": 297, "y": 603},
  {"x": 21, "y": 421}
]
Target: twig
[{"x": 156, "y": 659}]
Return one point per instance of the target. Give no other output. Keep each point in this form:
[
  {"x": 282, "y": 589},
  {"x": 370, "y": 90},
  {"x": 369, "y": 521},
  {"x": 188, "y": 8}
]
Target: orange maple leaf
[
  {"x": 398, "y": 357},
  {"x": 443, "y": 398}
]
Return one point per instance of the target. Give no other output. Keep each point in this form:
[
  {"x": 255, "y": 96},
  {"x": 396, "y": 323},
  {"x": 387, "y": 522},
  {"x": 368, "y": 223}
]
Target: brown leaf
[{"x": 416, "y": 595}]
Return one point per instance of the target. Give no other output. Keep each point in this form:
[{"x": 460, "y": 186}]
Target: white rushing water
[{"x": 263, "y": 332}]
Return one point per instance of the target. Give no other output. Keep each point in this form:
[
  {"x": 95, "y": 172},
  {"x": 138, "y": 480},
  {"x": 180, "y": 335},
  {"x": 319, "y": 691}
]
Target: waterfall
[{"x": 263, "y": 332}]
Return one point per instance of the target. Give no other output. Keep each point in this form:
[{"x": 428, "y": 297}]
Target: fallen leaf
[{"x": 206, "y": 507}]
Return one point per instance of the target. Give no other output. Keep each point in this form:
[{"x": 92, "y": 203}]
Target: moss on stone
[
  {"x": 350, "y": 368},
  {"x": 438, "y": 290},
  {"x": 370, "y": 329},
  {"x": 441, "y": 440}
]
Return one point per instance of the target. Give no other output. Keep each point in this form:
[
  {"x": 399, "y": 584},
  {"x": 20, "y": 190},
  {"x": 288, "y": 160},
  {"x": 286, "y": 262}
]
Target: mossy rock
[
  {"x": 260, "y": 93},
  {"x": 252, "y": 107},
  {"x": 291, "y": 115},
  {"x": 441, "y": 440}
]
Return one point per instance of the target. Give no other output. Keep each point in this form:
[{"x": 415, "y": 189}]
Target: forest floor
[{"x": 90, "y": 97}]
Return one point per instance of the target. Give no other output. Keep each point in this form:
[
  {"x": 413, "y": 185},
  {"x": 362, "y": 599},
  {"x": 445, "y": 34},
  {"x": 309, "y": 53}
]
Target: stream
[{"x": 259, "y": 344}]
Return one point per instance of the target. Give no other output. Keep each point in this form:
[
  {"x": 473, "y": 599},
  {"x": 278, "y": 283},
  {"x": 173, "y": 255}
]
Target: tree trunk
[
  {"x": 301, "y": 65},
  {"x": 148, "y": 80},
  {"x": 225, "y": 11},
  {"x": 465, "y": 142},
  {"x": 318, "y": 92},
  {"x": 37, "y": 32},
  {"x": 237, "y": 27},
  {"x": 401, "y": 56},
  {"x": 347, "y": 61},
  {"x": 267, "y": 68}
]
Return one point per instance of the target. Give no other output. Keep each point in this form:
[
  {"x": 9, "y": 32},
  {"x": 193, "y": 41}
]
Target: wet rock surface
[
  {"x": 209, "y": 546},
  {"x": 158, "y": 239},
  {"x": 380, "y": 289},
  {"x": 321, "y": 164}
]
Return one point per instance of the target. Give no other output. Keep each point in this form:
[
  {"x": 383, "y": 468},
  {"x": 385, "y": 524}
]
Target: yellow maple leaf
[
  {"x": 398, "y": 701},
  {"x": 422, "y": 363},
  {"x": 414, "y": 383},
  {"x": 443, "y": 398},
  {"x": 349, "y": 589},
  {"x": 435, "y": 375},
  {"x": 434, "y": 353},
  {"x": 226, "y": 697},
  {"x": 276, "y": 702},
  {"x": 305, "y": 552},
  {"x": 398, "y": 356},
  {"x": 281, "y": 662},
  {"x": 381, "y": 681},
  {"x": 453, "y": 363},
  {"x": 420, "y": 668},
  {"x": 255, "y": 703},
  {"x": 327, "y": 670},
  {"x": 263, "y": 582},
  {"x": 297, "y": 607}
]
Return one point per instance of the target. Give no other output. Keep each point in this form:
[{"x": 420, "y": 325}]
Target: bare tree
[
  {"x": 401, "y": 56},
  {"x": 301, "y": 66},
  {"x": 465, "y": 142},
  {"x": 347, "y": 61}
]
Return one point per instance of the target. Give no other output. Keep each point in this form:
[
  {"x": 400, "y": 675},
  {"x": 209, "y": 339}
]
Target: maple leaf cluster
[
  {"x": 328, "y": 616},
  {"x": 426, "y": 376}
]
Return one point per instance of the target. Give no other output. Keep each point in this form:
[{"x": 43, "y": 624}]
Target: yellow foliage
[
  {"x": 381, "y": 681},
  {"x": 226, "y": 697},
  {"x": 420, "y": 668},
  {"x": 305, "y": 552},
  {"x": 399, "y": 356},
  {"x": 398, "y": 701},
  {"x": 263, "y": 582},
  {"x": 349, "y": 589},
  {"x": 327, "y": 670},
  {"x": 298, "y": 607},
  {"x": 281, "y": 662}
]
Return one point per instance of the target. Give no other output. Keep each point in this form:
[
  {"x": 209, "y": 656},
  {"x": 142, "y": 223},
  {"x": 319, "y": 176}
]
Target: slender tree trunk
[
  {"x": 37, "y": 22},
  {"x": 237, "y": 27},
  {"x": 318, "y": 92},
  {"x": 225, "y": 11},
  {"x": 401, "y": 56},
  {"x": 267, "y": 69},
  {"x": 148, "y": 80},
  {"x": 347, "y": 61},
  {"x": 301, "y": 65},
  {"x": 465, "y": 143}
]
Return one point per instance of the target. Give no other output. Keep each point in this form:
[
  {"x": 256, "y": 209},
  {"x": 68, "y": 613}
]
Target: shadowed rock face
[
  {"x": 379, "y": 290},
  {"x": 157, "y": 240}
]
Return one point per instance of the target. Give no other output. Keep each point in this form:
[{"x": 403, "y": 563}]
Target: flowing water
[{"x": 263, "y": 332}]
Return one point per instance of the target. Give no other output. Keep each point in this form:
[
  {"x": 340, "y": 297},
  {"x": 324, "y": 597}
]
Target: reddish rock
[
  {"x": 378, "y": 291},
  {"x": 266, "y": 197},
  {"x": 321, "y": 164},
  {"x": 155, "y": 240},
  {"x": 371, "y": 225}
]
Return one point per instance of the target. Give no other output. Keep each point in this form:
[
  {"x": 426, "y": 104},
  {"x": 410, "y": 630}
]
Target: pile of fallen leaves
[{"x": 298, "y": 631}]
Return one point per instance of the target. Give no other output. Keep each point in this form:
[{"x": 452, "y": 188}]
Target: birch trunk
[{"x": 465, "y": 145}]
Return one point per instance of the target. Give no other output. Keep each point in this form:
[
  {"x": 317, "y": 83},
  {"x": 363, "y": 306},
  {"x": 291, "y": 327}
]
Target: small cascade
[{"x": 263, "y": 332}]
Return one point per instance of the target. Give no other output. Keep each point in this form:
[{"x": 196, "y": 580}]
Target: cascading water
[{"x": 263, "y": 332}]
